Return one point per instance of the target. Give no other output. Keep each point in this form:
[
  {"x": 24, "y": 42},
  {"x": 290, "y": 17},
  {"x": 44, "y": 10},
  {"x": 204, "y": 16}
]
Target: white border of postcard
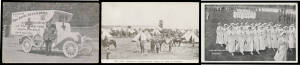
[{"x": 203, "y": 32}]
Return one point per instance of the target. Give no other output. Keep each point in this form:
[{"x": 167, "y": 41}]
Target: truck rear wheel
[
  {"x": 38, "y": 40},
  {"x": 26, "y": 45},
  {"x": 70, "y": 49}
]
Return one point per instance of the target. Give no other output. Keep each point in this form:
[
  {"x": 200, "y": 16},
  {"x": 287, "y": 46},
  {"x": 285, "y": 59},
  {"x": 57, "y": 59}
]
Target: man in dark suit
[{"x": 49, "y": 36}]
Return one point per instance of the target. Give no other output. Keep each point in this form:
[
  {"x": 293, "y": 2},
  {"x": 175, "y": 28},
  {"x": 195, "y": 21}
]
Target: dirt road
[{"x": 13, "y": 54}]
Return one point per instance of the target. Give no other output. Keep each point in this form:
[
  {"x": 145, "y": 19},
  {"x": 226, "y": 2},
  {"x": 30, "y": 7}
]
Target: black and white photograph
[
  {"x": 50, "y": 32},
  {"x": 249, "y": 32},
  {"x": 150, "y": 32}
]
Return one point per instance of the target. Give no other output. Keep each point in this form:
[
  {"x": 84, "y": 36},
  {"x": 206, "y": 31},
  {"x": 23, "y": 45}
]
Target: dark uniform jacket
[{"x": 50, "y": 33}]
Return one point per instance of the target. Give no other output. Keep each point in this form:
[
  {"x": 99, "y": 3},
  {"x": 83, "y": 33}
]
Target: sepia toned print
[
  {"x": 249, "y": 33},
  {"x": 150, "y": 32},
  {"x": 50, "y": 32}
]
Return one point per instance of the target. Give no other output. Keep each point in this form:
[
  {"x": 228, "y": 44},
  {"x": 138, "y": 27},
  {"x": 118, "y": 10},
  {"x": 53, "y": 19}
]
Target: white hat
[
  {"x": 283, "y": 33},
  {"x": 225, "y": 24}
]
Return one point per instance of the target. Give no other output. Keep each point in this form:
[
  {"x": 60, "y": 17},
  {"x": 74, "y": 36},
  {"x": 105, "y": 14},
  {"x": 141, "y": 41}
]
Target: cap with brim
[{"x": 283, "y": 33}]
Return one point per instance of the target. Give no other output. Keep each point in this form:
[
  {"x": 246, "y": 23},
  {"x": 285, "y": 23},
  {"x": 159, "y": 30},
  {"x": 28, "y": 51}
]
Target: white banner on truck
[{"x": 30, "y": 22}]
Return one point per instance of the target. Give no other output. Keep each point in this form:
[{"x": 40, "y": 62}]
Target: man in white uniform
[
  {"x": 218, "y": 31},
  {"x": 292, "y": 37},
  {"x": 231, "y": 41},
  {"x": 278, "y": 32},
  {"x": 251, "y": 39},
  {"x": 225, "y": 34},
  {"x": 273, "y": 37},
  {"x": 256, "y": 39},
  {"x": 241, "y": 39}
]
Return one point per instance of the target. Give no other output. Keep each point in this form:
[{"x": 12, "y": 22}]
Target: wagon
[{"x": 29, "y": 27}]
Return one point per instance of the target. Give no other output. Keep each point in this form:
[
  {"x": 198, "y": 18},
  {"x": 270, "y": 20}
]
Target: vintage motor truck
[{"x": 29, "y": 27}]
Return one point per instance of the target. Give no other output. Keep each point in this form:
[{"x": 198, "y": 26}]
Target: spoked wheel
[
  {"x": 26, "y": 45},
  {"x": 38, "y": 40},
  {"x": 70, "y": 49}
]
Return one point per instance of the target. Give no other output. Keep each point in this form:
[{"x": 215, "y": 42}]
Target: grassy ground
[{"x": 130, "y": 50}]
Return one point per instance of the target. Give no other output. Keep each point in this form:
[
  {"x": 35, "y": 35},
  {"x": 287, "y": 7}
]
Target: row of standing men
[{"x": 254, "y": 37}]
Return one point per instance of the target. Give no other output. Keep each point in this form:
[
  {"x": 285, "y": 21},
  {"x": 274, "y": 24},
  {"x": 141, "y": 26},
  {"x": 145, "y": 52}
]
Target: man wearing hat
[
  {"x": 225, "y": 34},
  {"x": 260, "y": 36},
  {"x": 49, "y": 36},
  {"x": 292, "y": 37},
  {"x": 273, "y": 36},
  {"x": 231, "y": 41},
  {"x": 234, "y": 34},
  {"x": 224, "y": 29},
  {"x": 276, "y": 36},
  {"x": 252, "y": 35},
  {"x": 241, "y": 39},
  {"x": 268, "y": 35},
  {"x": 279, "y": 31},
  {"x": 256, "y": 39},
  {"x": 248, "y": 45}
]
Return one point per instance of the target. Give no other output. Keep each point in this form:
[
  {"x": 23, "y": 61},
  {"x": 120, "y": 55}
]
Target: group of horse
[
  {"x": 167, "y": 38},
  {"x": 123, "y": 32},
  {"x": 156, "y": 43}
]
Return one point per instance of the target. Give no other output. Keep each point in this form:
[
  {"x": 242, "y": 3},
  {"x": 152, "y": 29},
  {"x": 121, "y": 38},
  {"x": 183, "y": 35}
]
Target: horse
[
  {"x": 156, "y": 44},
  {"x": 107, "y": 43},
  {"x": 177, "y": 41}
]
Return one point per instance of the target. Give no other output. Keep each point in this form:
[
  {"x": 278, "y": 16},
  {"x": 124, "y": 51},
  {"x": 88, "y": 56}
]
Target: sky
[{"x": 149, "y": 13}]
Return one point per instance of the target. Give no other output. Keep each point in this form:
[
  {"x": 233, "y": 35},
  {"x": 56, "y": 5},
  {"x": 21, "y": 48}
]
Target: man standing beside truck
[{"x": 49, "y": 36}]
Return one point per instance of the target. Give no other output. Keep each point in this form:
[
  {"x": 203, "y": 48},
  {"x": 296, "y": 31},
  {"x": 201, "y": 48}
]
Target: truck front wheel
[
  {"x": 26, "y": 45},
  {"x": 70, "y": 49}
]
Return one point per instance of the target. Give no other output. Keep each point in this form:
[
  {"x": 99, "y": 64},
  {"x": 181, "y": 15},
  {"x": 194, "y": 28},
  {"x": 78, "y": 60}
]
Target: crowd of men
[{"x": 243, "y": 37}]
